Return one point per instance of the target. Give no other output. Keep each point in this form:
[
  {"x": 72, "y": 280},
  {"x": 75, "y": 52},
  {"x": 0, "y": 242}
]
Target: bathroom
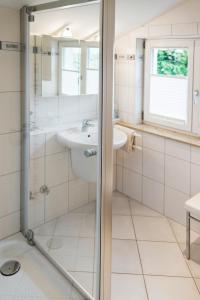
[{"x": 100, "y": 150}]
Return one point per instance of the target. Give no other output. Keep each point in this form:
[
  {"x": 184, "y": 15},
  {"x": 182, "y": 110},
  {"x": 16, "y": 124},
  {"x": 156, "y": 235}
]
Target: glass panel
[
  {"x": 71, "y": 58},
  {"x": 63, "y": 171},
  {"x": 92, "y": 73},
  {"x": 93, "y": 58},
  {"x": 169, "y": 83},
  {"x": 170, "y": 61},
  {"x": 168, "y": 97},
  {"x": 92, "y": 81},
  {"x": 70, "y": 83}
]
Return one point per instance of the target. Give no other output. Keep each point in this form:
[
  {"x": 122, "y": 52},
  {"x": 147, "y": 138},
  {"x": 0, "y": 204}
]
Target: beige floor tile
[
  {"x": 122, "y": 227},
  {"x": 161, "y": 258},
  {"x": 153, "y": 229},
  {"x": 180, "y": 233},
  {"x": 137, "y": 209},
  {"x": 128, "y": 287},
  {"x": 125, "y": 258},
  {"x": 171, "y": 288},
  {"x": 194, "y": 262},
  {"x": 120, "y": 205}
]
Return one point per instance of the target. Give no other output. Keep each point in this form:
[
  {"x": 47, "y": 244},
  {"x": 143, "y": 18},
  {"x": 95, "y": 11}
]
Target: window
[
  {"x": 71, "y": 68},
  {"x": 168, "y": 83},
  {"x": 79, "y": 71},
  {"x": 92, "y": 71}
]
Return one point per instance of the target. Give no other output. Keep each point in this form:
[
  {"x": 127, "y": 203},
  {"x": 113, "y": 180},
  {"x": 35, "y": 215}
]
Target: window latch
[{"x": 196, "y": 96}]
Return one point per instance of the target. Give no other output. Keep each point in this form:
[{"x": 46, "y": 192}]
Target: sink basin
[
  {"x": 74, "y": 138},
  {"x": 84, "y": 146}
]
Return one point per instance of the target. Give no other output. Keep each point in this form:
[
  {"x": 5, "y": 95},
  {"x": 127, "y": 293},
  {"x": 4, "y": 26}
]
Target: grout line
[
  {"x": 178, "y": 244},
  {"x": 139, "y": 254}
]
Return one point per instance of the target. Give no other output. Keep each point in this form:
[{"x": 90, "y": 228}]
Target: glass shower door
[{"x": 64, "y": 177}]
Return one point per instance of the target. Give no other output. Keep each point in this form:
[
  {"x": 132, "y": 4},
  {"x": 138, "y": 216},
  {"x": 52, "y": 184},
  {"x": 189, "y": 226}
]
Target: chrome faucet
[{"x": 86, "y": 124}]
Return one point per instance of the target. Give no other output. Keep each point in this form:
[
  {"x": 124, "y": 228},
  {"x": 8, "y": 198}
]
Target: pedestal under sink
[{"x": 84, "y": 146}]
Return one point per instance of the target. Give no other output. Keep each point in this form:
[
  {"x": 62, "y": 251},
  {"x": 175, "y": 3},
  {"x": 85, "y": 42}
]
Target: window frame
[
  {"x": 83, "y": 45},
  {"x": 154, "y": 119}
]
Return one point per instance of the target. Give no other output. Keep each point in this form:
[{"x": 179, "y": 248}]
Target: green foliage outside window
[{"x": 173, "y": 62}]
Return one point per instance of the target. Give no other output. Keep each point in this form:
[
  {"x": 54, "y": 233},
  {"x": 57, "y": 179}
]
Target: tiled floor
[
  {"x": 37, "y": 278},
  {"x": 70, "y": 240},
  {"x": 149, "y": 255},
  {"x": 148, "y": 259}
]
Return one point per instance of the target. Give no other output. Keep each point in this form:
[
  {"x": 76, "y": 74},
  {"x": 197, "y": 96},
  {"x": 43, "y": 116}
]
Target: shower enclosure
[{"x": 67, "y": 138}]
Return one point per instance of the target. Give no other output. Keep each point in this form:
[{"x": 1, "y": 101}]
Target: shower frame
[{"x": 105, "y": 162}]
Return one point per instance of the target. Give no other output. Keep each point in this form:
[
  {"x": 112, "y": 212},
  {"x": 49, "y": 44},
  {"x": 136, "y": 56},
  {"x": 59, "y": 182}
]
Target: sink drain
[{"x": 10, "y": 268}]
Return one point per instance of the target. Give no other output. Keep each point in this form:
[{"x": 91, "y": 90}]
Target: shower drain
[{"x": 10, "y": 268}]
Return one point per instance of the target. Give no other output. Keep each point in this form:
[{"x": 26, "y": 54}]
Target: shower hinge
[{"x": 29, "y": 235}]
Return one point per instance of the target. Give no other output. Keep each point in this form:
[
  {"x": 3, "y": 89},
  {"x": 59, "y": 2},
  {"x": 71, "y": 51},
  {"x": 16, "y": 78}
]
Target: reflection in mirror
[{"x": 65, "y": 66}]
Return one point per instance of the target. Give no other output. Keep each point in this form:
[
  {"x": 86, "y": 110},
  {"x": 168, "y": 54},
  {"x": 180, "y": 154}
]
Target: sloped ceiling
[{"x": 129, "y": 14}]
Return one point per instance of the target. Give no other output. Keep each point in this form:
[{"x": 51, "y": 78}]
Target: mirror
[{"x": 65, "y": 66}]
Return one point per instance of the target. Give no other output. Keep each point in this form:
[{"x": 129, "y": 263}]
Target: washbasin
[
  {"x": 84, "y": 145},
  {"x": 75, "y": 138}
]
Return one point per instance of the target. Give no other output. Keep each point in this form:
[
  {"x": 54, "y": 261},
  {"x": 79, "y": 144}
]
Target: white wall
[
  {"x": 10, "y": 98},
  {"x": 165, "y": 173},
  {"x": 183, "y": 21},
  {"x": 162, "y": 175}
]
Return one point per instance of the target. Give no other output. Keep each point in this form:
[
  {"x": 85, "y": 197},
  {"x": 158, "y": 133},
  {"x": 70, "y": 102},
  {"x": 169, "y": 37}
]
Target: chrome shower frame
[{"x": 104, "y": 181}]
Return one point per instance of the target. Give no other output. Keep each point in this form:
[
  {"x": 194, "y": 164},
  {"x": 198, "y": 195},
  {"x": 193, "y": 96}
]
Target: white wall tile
[
  {"x": 153, "y": 165},
  {"x": 9, "y": 24},
  {"x": 119, "y": 178},
  {"x": 10, "y": 153},
  {"x": 153, "y": 194},
  {"x": 36, "y": 210},
  {"x": 185, "y": 29},
  {"x": 120, "y": 157},
  {"x": 153, "y": 142},
  {"x": 10, "y": 108},
  {"x": 56, "y": 169},
  {"x": 160, "y": 30},
  {"x": 9, "y": 225},
  {"x": 37, "y": 145},
  {"x": 195, "y": 155},
  {"x": 133, "y": 161},
  {"x": 56, "y": 202},
  {"x": 68, "y": 106},
  {"x": 175, "y": 204},
  {"x": 78, "y": 193},
  {"x": 52, "y": 144},
  {"x": 10, "y": 194},
  {"x": 177, "y": 174},
  {"x": 37, "y": 176},
  {"x": 10, "y": 71},
  {"x": 195, "y": 179},
  {"x": 92, "y": 191},
  {"x": 177, "y": 149},
  {"x": 132, "y": 184},
  {"x": 114, "y": 177}
]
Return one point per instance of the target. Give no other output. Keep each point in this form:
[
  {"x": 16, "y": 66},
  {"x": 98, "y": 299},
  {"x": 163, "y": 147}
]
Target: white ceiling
[{"x": 129, "y": 15}]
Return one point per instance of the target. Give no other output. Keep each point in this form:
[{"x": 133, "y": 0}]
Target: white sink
[
  {"x": 74, "y": 138},
  {"x": 84, "y": 146}
]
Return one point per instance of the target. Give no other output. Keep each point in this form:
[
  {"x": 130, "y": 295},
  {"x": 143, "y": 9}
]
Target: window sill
[{"x": 167, "y": 133}]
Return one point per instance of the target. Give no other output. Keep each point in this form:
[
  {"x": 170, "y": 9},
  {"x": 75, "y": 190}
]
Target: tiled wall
[
  {"x": 10, "y": 98},
  {"x": 50, "y": 162},
  {"x": 183, "y": 21},
  {"x": 165, "y": 173},
  {"x": 162, "y": 175},
  {"x": 59, "y": 110},
  {"x": 51, "y": 165}
]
